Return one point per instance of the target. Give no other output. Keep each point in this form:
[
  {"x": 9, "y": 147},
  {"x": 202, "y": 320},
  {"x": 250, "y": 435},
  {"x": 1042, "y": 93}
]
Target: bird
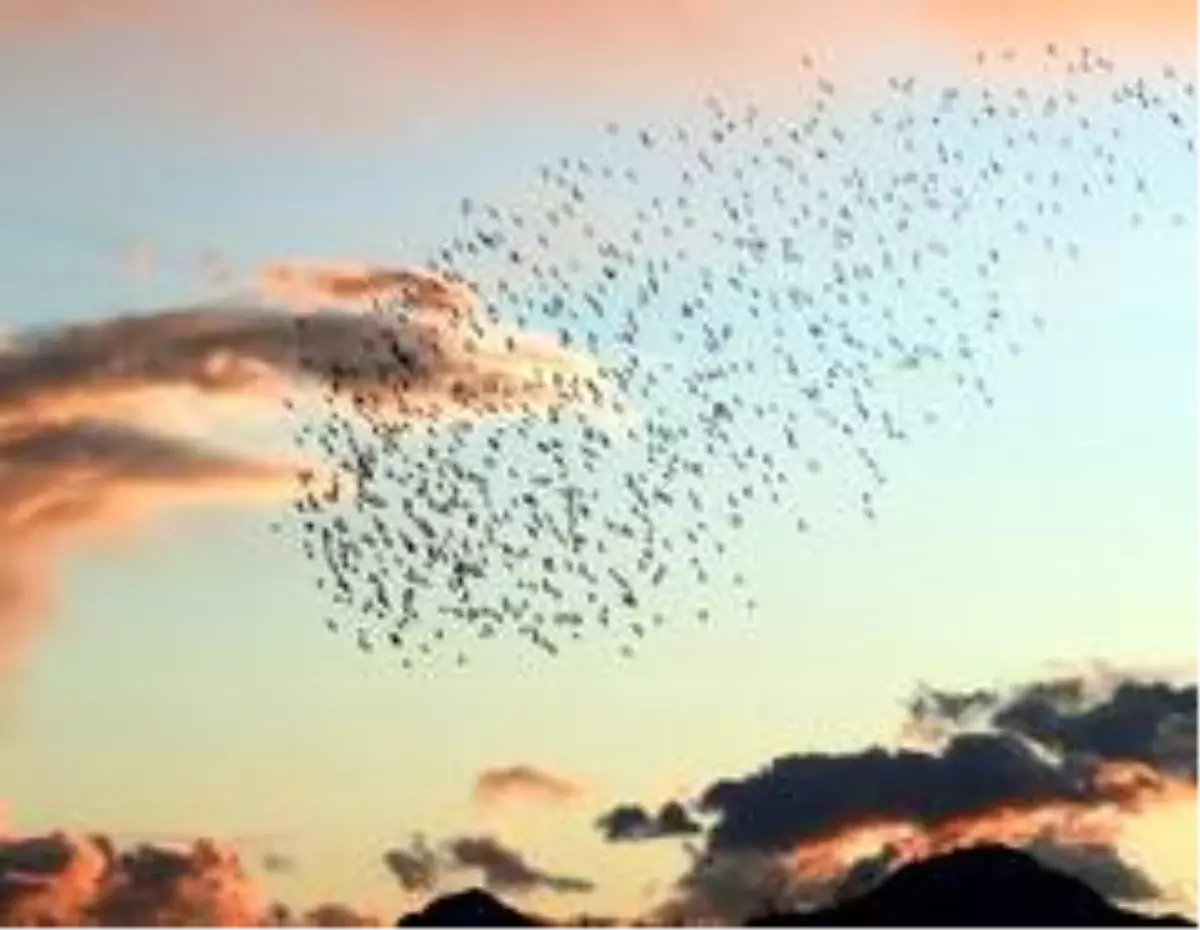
[{"x": 775, "y": 304}]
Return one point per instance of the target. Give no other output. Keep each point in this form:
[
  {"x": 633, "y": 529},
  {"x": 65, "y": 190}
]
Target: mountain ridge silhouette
[{"x": 984, "y": 886}]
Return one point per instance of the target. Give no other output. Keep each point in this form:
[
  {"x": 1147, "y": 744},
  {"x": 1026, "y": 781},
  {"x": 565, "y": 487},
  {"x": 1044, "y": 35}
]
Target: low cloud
[
  {"x": 333, "y": 914},
  {"x": 61, "y": 880},
  {"x": 92, "y": 425},
  {"x": 1098, "y": 865},
  {"x": 505, "y": 870},
  {"x": 632, "y": 822},
  {"x": 277, "y": 863},
  {"x": 1058, "y": 767},
  {"x": 64, "y": 880},
  {"x": 421, "y": 868},
  {"x": 497, "y": 786},
  {"x": 415, "y": 866}
]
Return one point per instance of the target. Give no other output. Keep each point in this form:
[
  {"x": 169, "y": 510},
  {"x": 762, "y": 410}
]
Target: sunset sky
[{"x": 178, "y": 681}]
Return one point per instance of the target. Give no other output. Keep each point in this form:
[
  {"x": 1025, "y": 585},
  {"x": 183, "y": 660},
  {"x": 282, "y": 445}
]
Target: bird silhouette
[{"x": 777, "y": 295}]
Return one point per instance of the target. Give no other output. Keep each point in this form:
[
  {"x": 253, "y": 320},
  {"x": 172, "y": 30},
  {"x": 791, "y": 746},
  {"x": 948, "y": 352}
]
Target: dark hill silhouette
[
  {"x": 980, "y": 887},
  {"x": 471, "y": 908}
]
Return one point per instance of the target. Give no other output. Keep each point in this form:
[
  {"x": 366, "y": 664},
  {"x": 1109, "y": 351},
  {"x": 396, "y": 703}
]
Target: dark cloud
[
  {"x": 1054, "y": 766},
  {"x": 1098, "y": 865},
  {"x": 727, "y": 888},
  {"x": 1097, "y": 717},
  {"x": 632, "y": 822},
  {"x": 415, "y": 866},
  {"x": 278, "y": 863},
  {"x": 808, "y": 796},
  {"x": 505, "y": 870},
  {"x": 1149, "y": 722},
  {"x": 932, "y": 712},
  {"x": 336, "y": 914}
]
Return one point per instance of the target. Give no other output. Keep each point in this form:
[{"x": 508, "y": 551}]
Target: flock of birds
[{"x": 774, "y": 294}]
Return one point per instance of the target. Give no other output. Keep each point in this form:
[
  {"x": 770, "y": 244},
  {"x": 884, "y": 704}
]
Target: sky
[{"x": 179, "y": 682}]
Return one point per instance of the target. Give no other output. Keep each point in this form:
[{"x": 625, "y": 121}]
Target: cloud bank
[
  {"x": 1056, "y": 766},
  {"x": 62, "y": 880}
]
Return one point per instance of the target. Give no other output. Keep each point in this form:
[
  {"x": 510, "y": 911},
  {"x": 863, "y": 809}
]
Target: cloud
[
  {"x": 1122, "y": 24},
  {"x": 49, "y": 880},
  {"x": 320, "y": 283},
  {"x": 60, "y": 880},
  {"x": 22, "y": 19},
  {"x": 1059, "y": 767},
  {"x": 92, "y": 415},
  {"x": 337, "y": 915},
  {"x": 420, "y": 868},
  {"x": 421, "y": 71},
  {"x": 405, "y": 66},
  {"x": 725, "y": 889},
  {"x": 393, "y": 66},
  {"x": 589, "y": 43},
  {"x": 1149, "y": 722},
  {"x": 415, "y": 866},
  {"x": 505, "y": 870},
  {"x": 807, "y": 796},
  {"x": 277, "y": 863},
  {"x": 632, "y": 822},
  {"x": 1098, "y": 865},
  {"x": 497, "y": 786}
]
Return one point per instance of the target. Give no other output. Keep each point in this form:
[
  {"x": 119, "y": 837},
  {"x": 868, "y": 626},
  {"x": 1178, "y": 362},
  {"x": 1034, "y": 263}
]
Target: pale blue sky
[{"x": 189, "y": 686}]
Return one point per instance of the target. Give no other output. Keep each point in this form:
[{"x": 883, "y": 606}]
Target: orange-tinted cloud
[
  {"x": 1122, "y": 792},
  {"x": 392, "y": 65},
  {"x": 90, "y": 443},
  {"x": 22, "y": 19},
  {"x": 1112, "y": 25},
  {"x": 62, "y": 880},
  {"x": 336, "y": 914},
  {"x": 499, "y": 786},
  {"x": 306, "y": 285},
  {"x": 1079, "y": 838},
  {"x": 594, "y": 46}
]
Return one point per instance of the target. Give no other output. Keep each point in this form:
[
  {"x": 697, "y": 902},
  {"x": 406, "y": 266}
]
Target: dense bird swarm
[{"x": 770, "y": 294}]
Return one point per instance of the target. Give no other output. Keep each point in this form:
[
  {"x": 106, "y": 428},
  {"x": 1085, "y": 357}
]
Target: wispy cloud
[
  {"x": 394, "y": 63},
  {"x": 415, "y": 865},
  {"x": 504, "y": 869},
  {"x": 497, "y": 786},
  {"x": 23, "y": 19},
  {"x": 90, "y": 434},
  {"x": 421, "y": 868},
  {"x": 1157, "y": 24}
]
